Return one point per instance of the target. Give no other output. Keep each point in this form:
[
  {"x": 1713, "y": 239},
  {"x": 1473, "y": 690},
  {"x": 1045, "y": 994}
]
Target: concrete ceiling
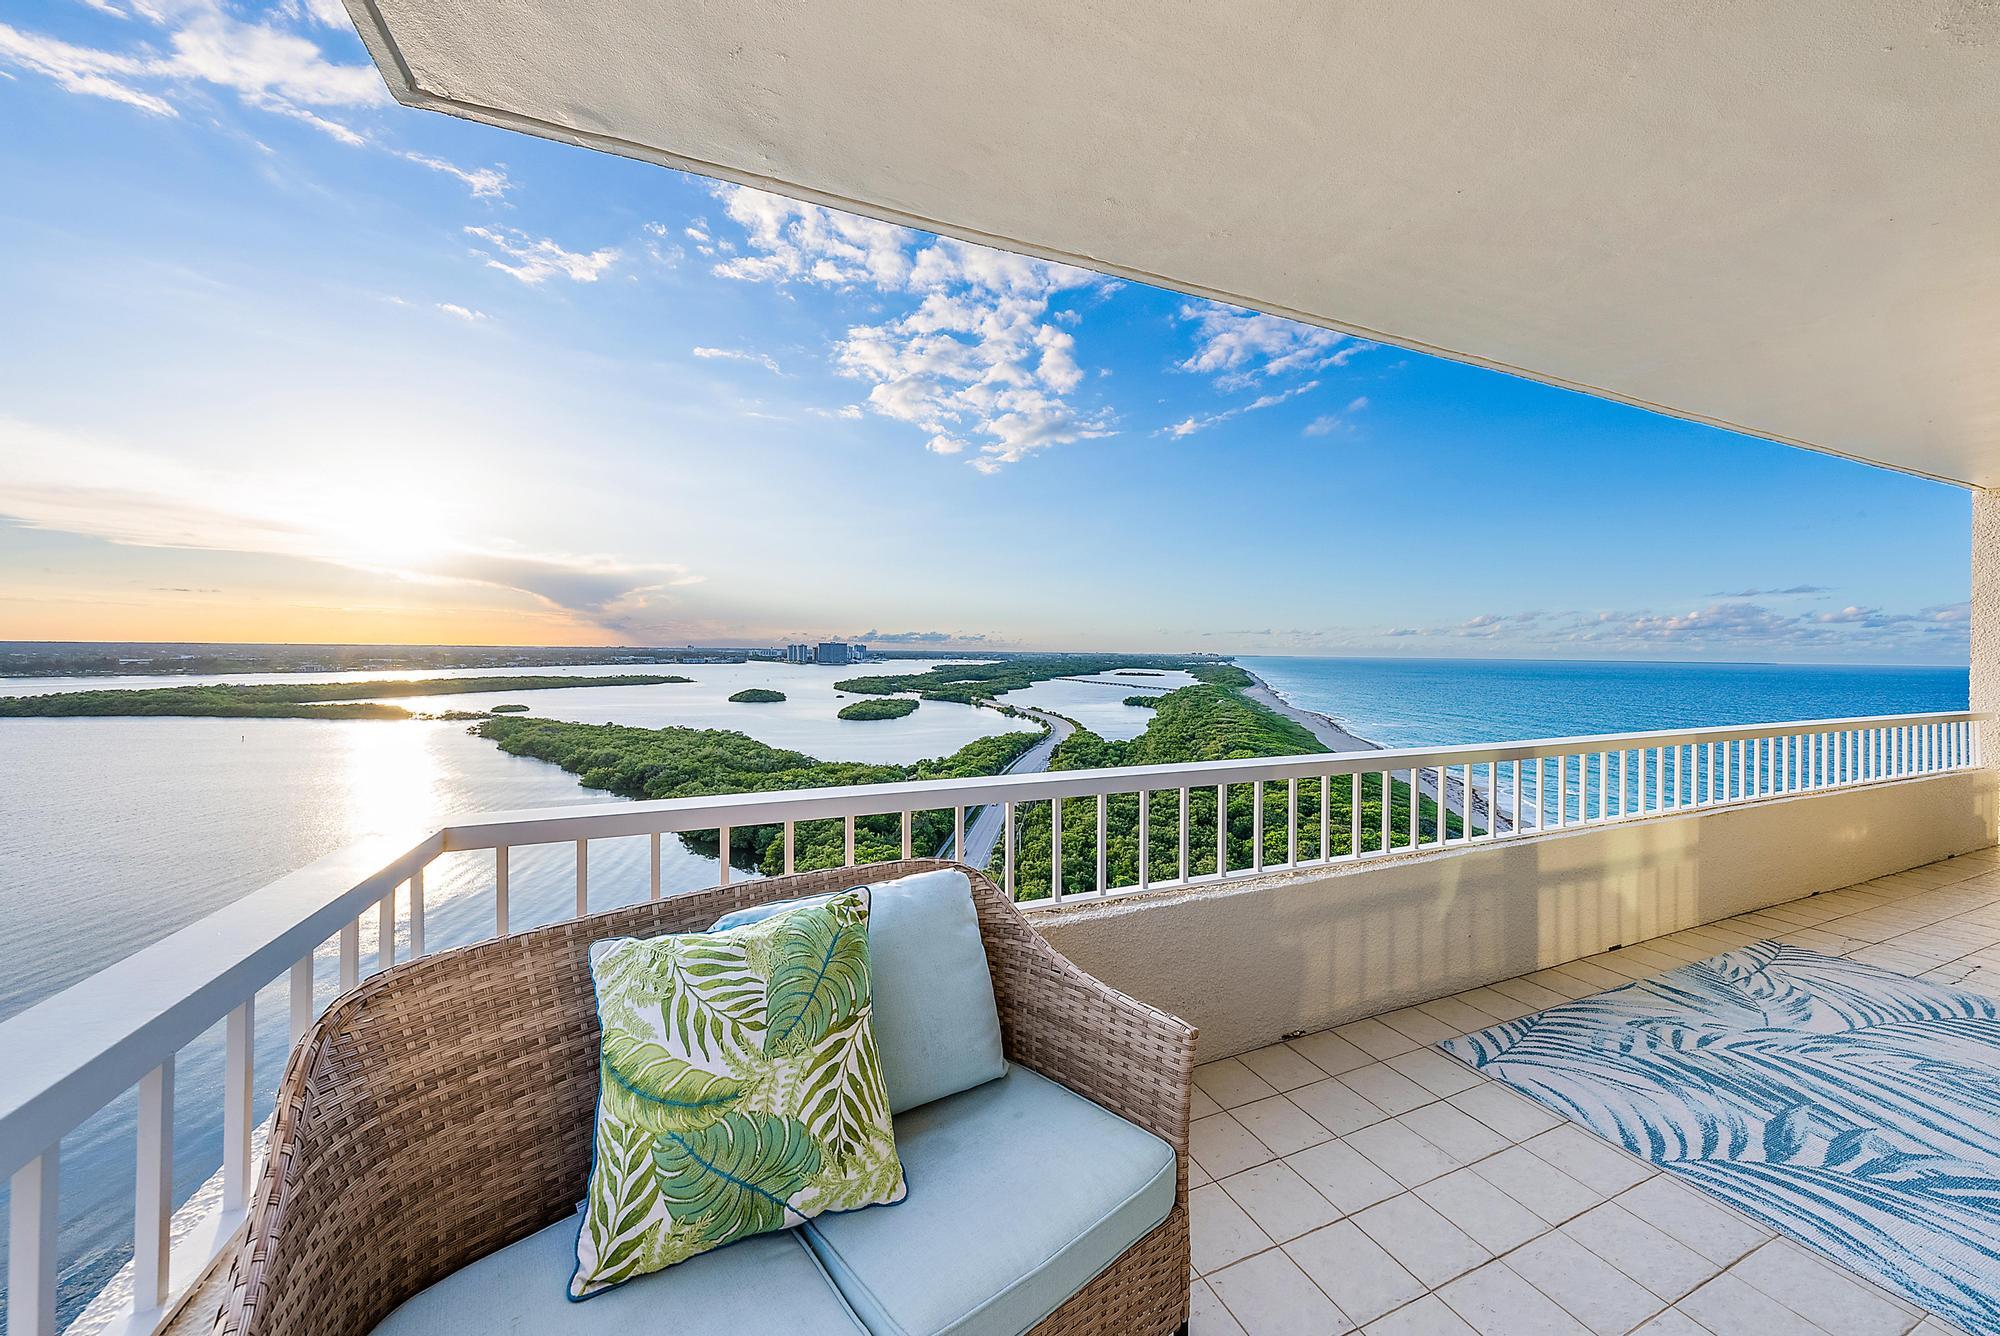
[{"x": 1780, "y": 216}]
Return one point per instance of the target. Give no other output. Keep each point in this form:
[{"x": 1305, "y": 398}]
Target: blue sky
[{"x": 283, "y": 361}]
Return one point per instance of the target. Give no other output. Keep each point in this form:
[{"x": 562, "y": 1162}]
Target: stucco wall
[{"x": 1252, "y": 963}]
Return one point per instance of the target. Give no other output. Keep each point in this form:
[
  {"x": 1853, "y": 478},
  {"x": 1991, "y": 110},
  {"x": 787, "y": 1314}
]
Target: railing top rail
[
  {"x": 612, "y": 820},
  {"x": 69, "y": 1055}
]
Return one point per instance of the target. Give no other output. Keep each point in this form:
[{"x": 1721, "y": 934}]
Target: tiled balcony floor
[{"x": 1358, "y": 1180}]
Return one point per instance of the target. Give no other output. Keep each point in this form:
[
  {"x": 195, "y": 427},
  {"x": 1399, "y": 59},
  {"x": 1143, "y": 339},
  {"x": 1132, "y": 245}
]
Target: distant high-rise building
[
  {"x": 860, "y": 652},
  {"x": 832, "y": 651},
  {"x": 798, "y": 654}
]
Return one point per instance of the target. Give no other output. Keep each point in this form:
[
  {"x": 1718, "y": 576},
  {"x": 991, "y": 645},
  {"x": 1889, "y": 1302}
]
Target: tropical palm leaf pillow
[{"x": 739, "y": 1089}]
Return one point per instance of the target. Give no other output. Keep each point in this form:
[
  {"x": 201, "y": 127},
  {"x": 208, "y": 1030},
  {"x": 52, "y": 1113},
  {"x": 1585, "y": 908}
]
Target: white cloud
[
  {"x": 462, "y": 312},
  {"x": 977, "y": 363},
  {"x": 1240, "y": 347},
  {"x": 1328, "y": 423},
  {"x": 740, "y": 355},
  {"x": 82, "y": 70},
  {"x": 1190, "y": 425},
  {"x": 483, "y": 182},
  {"x": 535, "y": 260}
]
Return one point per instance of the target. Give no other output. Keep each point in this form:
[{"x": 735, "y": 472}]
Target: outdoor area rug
[{"x": 1855, "y": 1109}]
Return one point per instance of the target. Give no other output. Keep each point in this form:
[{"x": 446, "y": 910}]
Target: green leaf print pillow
[{"x": 739, "y": 1090}]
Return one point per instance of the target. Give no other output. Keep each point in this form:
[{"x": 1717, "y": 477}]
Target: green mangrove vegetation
[
  {"x": 292, "y": 700},
  {"x": 509, "y": 709},
  {"x": 699, "y": 762},
  {"x": 972, "y": 683},
  {"x": 757, "y": 696},
  {"x": 893, "y": 707},
  {"x": 1212, "y": 721}
]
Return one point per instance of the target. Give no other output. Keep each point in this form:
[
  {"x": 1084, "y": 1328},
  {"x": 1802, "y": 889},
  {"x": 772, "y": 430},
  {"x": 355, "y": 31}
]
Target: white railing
[{"x": 70, "y": 1056}]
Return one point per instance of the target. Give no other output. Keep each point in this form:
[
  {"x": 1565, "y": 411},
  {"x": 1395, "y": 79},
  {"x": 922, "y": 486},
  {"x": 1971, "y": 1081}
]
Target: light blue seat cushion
[
  {"x": 935, "y": 1023},
  {"x": 768, "y": 1282},
  {"x": 1020, "y": 1193}
]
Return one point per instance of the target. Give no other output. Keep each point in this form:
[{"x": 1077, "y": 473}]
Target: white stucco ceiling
[{"x": 1781, "y": 216}]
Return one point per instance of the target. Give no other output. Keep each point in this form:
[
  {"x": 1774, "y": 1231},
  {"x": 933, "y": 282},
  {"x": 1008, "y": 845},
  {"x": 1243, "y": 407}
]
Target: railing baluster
[
  {"x": 1291, "y": 823},
  {"x": 1221, "y": 831},
  {"x": 653, "y": 867},
  {"x": 1055, "y": 849},
  {"x": 1007, "y": 847},
  {"x": 1354, "y": 815},
  {"x": 32, "y": 1246},
  {"x": 350, "y": 955},
  {"x": 302, "y": 998},
  {"x": 1257, "y": 825},
  {"x": 385, "y": 931},
  {"x": 791, "y": 844},
  {"x": 1326, "y": 817},
  {"x": 723, "y": 835},
  {"x": 417, "y": 914},
  {"x": 153, "y": 1200},
  {"x": 1183, "y": 863},
  {"x": 906, "y": 833},
  {"x": 847, "y": 837},
  {"x": 958, "y": 834},
  {"x": 1145, "y": 839},
  {"x": 238, "y": 1086},
  {"x": 500, "y": 885},
  {"x": 582, "y": 877},
  {"x": 1102, "y": 802}
]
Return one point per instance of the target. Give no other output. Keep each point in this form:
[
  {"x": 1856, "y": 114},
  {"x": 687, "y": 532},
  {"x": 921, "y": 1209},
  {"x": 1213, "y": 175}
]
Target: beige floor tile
[
  {"x": 1507, "y": 1113},
  {"x": 1230, "y": 1083},
  {"x": 1494, "y": 1220},
  {"x": 1673, "y": 1322},
  {"x": 1270, "y": 1296},
  {"x": 1424, "y": 1243},
  {"x": 1823, "y": 1294},
  {"x": 1386, "y": 1088},
  {"x": 1692, "y": 1219},
  {"x": 1529, "y": 993},
  {"x": 1496, "y": 1302},
  {"x": 1590, "y": 1289},
  {"x": 1497, "y": 1004},
  {"x": 1401, "y": 1153},
  {"x": 1281, "y": 1203},
  {"x": 1196, "y": 1174},
  {"x": 1537, "y": 1185},
  {"x": 1336, "y": 1107},
  {"x": 1462, "y": 1016},
  {"x": 1207, "y": 1316},
  {"x": 1329, "y": 1052},
  {"x": 1454, "y": 1132},
  {"x": 1224, "y": 1146},
  {"x": 1344, "y": 1176},
  {"x": 1375, "y": 1039},
  {"x": 1220, "y": 1231},
  {"x": 1282, "y": 1067},
  {"x": 1727, "y": 1305},
  {"x": 1595, "y": 975},
  {"x": 1428, "y": 1316},
  {"x": 1419, "y": 1025},
  {"x": 1280, "y": 1124},
  {"x": 1200, "y": 1105},
  {"x": 1646, "y": 1254},
  {"x": 1435, "y": 1072},
  {"x": 1594, "y": 1163},
  {"x": 1362, "y": 1280}
]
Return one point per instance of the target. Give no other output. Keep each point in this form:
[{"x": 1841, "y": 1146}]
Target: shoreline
[{"x": 1332, "y": 735}]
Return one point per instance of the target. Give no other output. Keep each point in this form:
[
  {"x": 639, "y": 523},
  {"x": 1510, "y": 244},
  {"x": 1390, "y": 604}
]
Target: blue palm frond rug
[{"x": 1853, "y": 1108}]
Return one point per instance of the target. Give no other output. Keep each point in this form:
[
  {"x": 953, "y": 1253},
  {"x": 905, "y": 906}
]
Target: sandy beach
[{"x": 1328, "y": 732}]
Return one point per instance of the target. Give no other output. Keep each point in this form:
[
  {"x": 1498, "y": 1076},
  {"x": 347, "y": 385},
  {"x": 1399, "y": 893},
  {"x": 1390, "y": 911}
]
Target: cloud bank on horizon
[{"x": 402, "y": 375}]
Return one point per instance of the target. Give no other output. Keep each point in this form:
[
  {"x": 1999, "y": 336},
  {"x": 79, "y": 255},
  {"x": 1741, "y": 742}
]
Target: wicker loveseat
[{"x": 443, "y": 1111}]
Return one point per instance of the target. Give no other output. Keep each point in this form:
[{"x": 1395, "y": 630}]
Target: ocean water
[{"x": 1439, "y": 702}]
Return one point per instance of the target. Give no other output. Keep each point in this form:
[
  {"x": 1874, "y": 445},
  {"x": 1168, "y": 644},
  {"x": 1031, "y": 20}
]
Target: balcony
[{"x": 1387, "y": 898}]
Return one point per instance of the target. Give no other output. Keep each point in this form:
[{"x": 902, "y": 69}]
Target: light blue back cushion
[{"x": 935, "y": 1022}]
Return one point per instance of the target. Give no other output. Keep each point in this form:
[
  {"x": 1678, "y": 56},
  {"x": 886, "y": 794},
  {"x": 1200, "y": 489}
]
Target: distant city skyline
[{"x": 284, "y": 362}]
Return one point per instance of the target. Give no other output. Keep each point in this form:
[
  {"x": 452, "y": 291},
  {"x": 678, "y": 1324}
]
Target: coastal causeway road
[{"x": 982, "y": 829}]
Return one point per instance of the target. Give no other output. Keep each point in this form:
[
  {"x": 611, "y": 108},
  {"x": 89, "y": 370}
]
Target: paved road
[{"x": 983, "y": 826}]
